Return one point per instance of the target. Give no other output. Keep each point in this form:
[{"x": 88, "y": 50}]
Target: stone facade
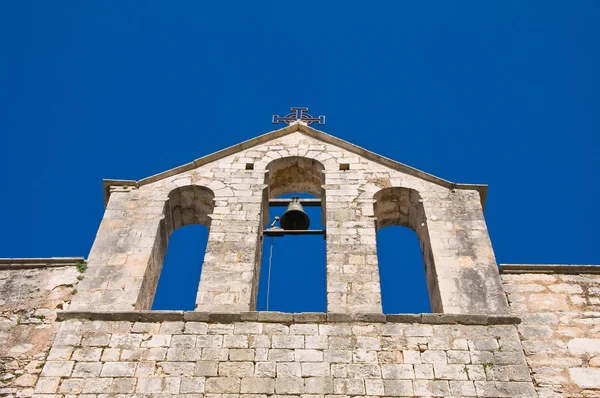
[
  {"x": 529, "y": 331},
  {"x": 229, "y": 191}
]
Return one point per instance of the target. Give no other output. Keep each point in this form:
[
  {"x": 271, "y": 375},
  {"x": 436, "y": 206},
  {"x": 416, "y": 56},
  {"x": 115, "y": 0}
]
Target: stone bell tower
[{"x": 229, "y": 191}]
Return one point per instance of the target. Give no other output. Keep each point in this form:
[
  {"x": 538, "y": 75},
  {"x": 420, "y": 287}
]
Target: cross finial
[{"x": 298, "y": 115}]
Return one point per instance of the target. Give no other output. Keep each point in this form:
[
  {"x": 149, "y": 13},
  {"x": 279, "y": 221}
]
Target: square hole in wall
[
  {"x": 344, "y": 166},
  {"x": 249, "y": 166}
]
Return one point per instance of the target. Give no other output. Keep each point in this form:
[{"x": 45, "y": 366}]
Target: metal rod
[
  {"x": 309, "y": 202},
  {"x": 282, "y": 232}
]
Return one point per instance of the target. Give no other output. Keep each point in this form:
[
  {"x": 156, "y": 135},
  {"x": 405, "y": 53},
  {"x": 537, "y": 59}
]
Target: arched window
[
  {"x": 297, "y": 277},
  {"x": 406, "y": 279},
  {"x": 178, "y": 277},
  {"x": 180, "y": 274}
]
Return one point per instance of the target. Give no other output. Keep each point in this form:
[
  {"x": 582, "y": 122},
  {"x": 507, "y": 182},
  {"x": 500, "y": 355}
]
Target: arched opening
[
  {"x": 172, "y": 280},
  {"x": 408, "y": 283},
  {"x": 297, "y": 272},
  {"x": 179, "y": 278},
  {"x": 401, "y": 274}
]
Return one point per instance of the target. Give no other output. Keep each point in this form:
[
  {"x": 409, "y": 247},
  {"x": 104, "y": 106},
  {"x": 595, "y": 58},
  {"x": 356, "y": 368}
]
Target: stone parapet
[
  {"x": 548, "y": 269},
  {"x": 288, "y": 318},
  {"x": 28, "y": 263}
]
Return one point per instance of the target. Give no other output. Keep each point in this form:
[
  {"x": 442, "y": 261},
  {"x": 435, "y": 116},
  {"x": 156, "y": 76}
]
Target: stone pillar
[
  {"x": 126, "y": 246},
  {"x": 466, "y": 272},
  {"x": 352, "y": 269},
  {"x": 231, "y": 268}
]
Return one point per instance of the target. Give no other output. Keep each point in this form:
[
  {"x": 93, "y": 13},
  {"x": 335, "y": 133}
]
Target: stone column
[
  {"x": 126, "y": 245},
  {"x": 231, "y": 268},
  {"x": 352, "y": 269},
  {"x": 465, "y": 265}
]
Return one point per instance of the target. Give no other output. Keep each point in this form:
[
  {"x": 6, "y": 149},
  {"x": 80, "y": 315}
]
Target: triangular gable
[{"x": 320, "y": 135}]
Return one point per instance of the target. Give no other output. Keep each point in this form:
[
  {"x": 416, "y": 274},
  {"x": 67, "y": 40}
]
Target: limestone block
[
  {"x": 157, "y": 385},
  {"x": 289, "y": 385},
  {"x": 434, "y": 356},
  {"x": 236, "y": 369},
  {"x": 293, "y": 341},
  {"x": 87, "y": 354},
  {"x": 235, "y": 341},
  {"x": 265, "y": 369},
  {"x": 349, "y": 386},
  {"x": 192, "y": 385},
  {"x": 462, "y": 388},
  {"x": 47, "y": 385},
  {"x": 306, "y": 355},
  {"x": 585, "y": 377},
  {"x": 71, "y": 386},
  {"x": 318, "y": 385},
  {"x": 398, "y": 388},
  {"x": 581, "y": 346},
  {"x": 97, "y": 385},
  {"x": 449, "y": 372},
  {"x": 368, "y": 371},
  {"x": 434, "y": 388},
  {"x": 515, "y": 390},
  {"x": 338, "y": 356},
  {"x": 58, "y": 353},
  {"x": 315, "y": 369},
  {"x": 87, "y": 369},
  {"x": 57, "y": 368},
  {"x": 206, "y": 368},
  {"x": 397, "y": 371},
  {"x": 118, "y": 369},
  {"x": 177, "y": 368},
  {"x": 256, "y": 385},
  {"x": 288, "y": 369},
  {"x": 222, "y": 385}
]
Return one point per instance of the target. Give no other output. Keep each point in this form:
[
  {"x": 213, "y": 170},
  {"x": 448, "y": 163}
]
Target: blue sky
[{"x": 504, "y": 93}]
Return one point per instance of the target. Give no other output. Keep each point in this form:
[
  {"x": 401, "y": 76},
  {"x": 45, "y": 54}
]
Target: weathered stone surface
[
  {"x": 585, "y": 377},
  {"x": 558, "y": 331}
]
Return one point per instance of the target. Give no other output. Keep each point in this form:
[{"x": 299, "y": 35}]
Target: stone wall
[
  {"x": 560, "y": 330},
  {"x": 31, "y": 291},
  {"x": 253, "y": 359},
  {"x": 127, "y": 254}
]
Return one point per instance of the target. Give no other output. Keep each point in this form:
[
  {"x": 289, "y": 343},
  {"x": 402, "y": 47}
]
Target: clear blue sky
[{"x": 504, "y": 93}]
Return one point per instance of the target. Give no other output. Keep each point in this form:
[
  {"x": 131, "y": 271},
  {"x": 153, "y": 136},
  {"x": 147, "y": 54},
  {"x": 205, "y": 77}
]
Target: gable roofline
[{"x": 321, "y": 136}]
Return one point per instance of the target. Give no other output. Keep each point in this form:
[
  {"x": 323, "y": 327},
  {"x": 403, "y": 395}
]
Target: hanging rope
[{"x": 269, "y": 275}]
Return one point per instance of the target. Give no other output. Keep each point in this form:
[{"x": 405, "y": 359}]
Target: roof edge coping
[{"x": 38, "y": 262}]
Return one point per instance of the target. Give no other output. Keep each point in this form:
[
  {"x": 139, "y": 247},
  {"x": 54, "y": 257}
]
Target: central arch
[{"x": 298, "y": 261}]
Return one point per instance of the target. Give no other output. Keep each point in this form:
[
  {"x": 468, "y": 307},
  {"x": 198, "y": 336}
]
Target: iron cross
[{"x": 299, "y": 114}]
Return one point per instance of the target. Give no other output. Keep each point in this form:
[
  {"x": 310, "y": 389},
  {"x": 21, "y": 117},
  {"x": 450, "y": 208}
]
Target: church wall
[
  {"x": 257, "y": 359},
  {"x": 555, "y": 348},
  {"x": 29, "y": 300},
  {"x": 560, "y": 327}
]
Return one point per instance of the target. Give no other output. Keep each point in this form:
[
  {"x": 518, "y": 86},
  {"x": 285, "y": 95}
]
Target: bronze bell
[{"x": 294, "y": 217}]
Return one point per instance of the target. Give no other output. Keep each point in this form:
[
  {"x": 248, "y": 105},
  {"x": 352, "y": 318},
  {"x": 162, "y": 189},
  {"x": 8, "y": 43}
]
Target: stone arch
[
  {"x": 404, "y": 207},
  {"x": 291, "y": 175},
  {"x": 190, "y": 204},
  {"x": 294, "y": 174},
  {"x": 185, "y": 205}
]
